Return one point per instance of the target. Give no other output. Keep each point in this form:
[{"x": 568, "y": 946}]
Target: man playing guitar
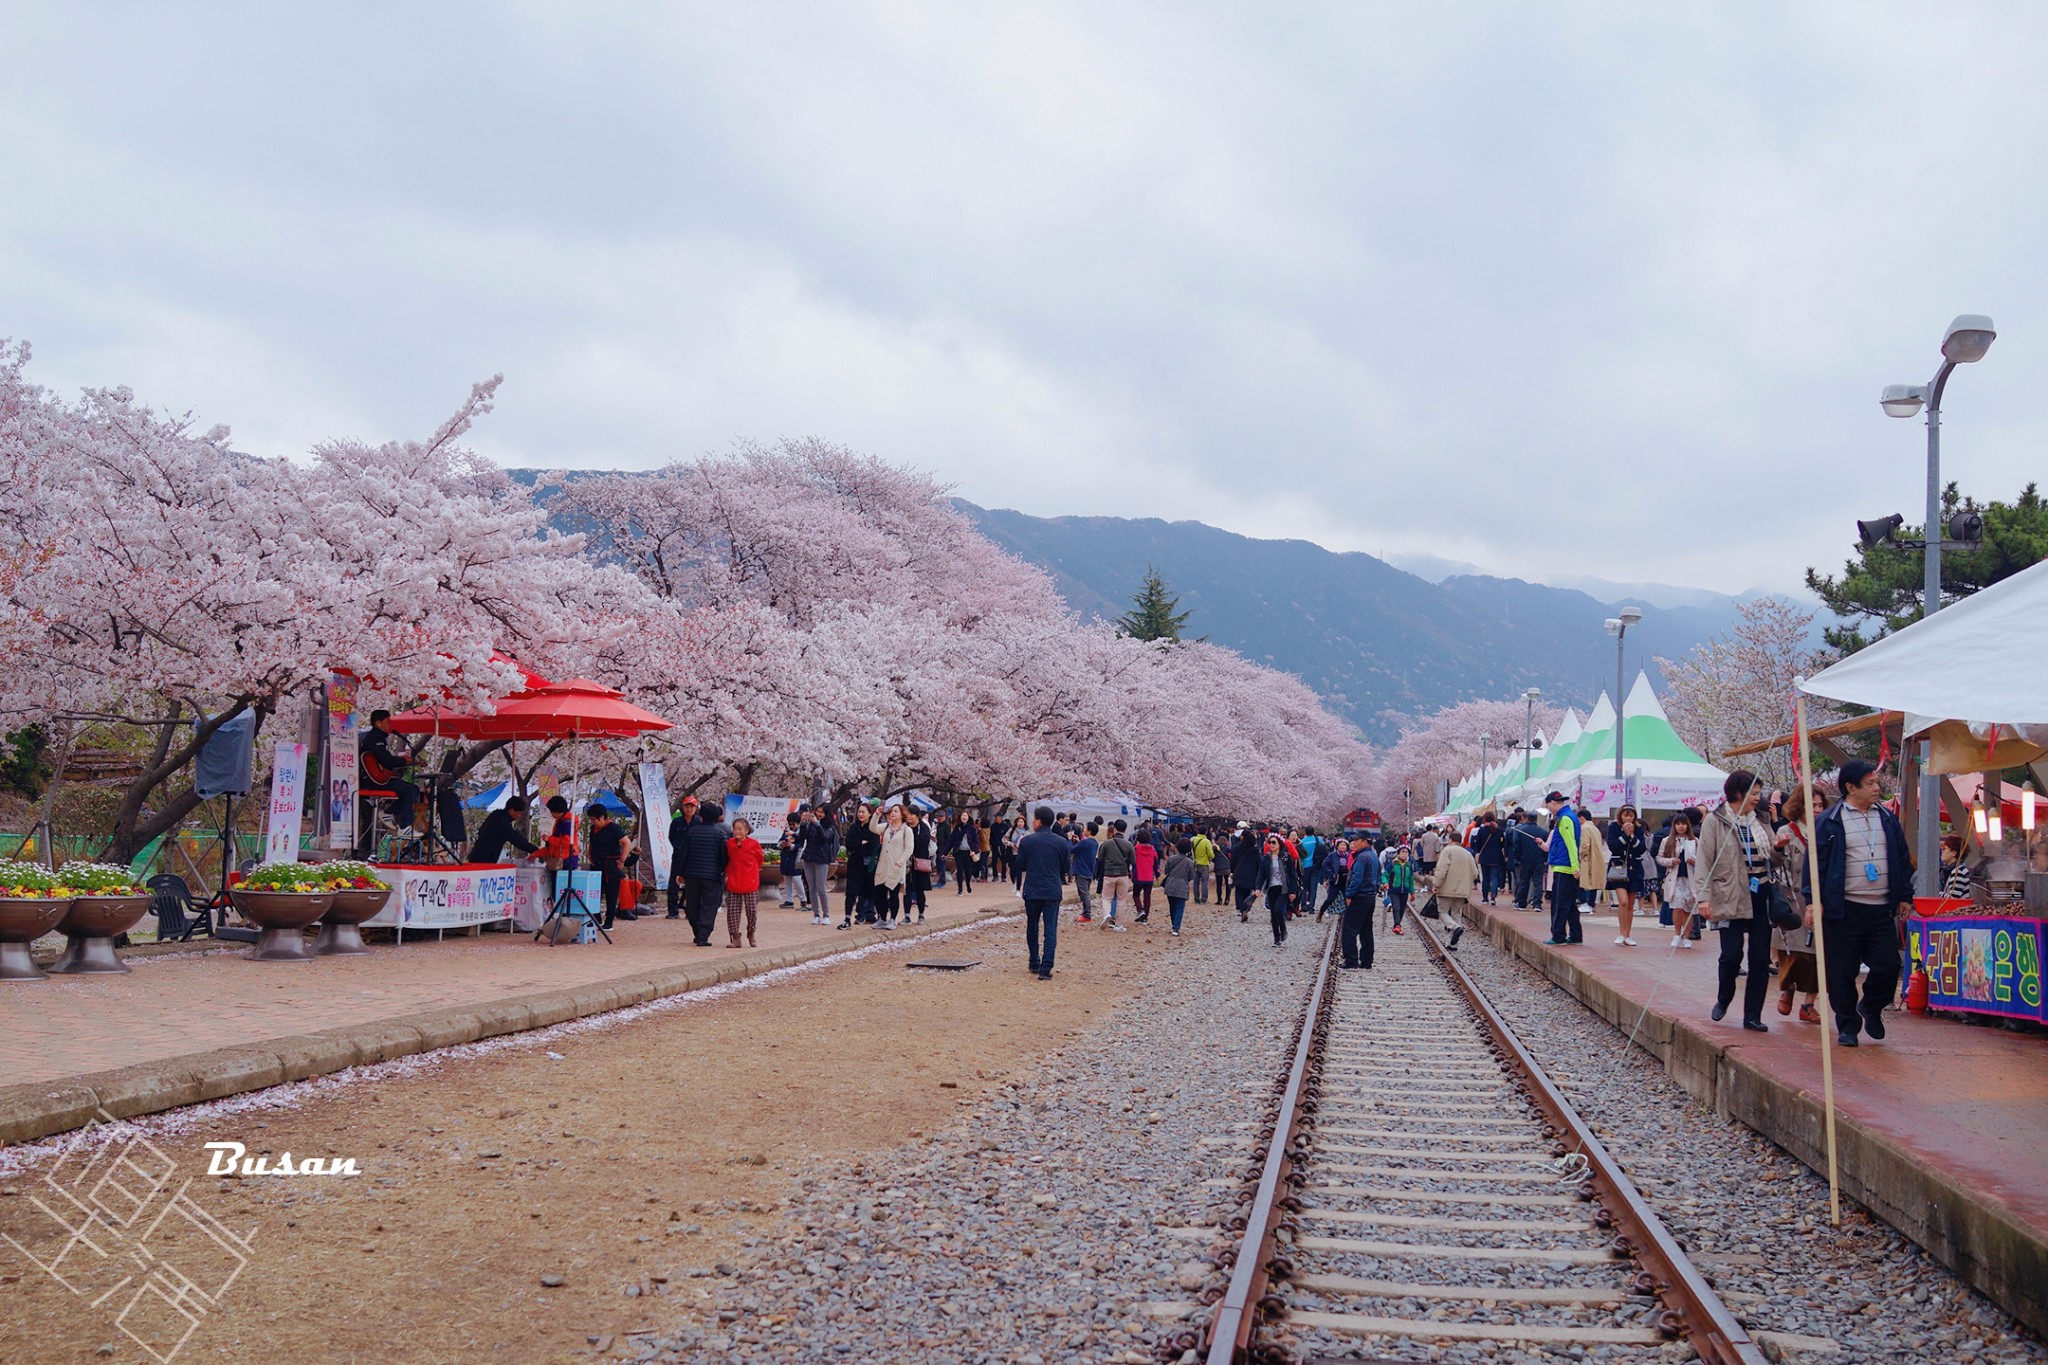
[{"x": 383, "y": 769}]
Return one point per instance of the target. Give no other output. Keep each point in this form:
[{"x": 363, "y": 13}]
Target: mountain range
[{"x": 1378, "y": 643}]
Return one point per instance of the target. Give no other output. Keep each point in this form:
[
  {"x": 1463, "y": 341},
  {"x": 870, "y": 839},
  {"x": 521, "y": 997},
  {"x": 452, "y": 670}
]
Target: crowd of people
[{"x": 1739, "y": 869}]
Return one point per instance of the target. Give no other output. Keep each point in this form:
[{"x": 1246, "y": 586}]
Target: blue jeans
[
  {"x": 1491, "y": 876},
  {"x": 1176, "y": 906},
  {"x": 1044, "y": 913}
]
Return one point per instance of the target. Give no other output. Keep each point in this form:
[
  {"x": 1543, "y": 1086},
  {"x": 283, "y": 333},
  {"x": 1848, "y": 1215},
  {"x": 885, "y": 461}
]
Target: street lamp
[
  {"x": 1966, "y": 341},
  {"x": 1529, "y": 699},
  {"x": 1617, "y": 626}
]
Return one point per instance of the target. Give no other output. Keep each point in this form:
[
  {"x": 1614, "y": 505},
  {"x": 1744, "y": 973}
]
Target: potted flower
[
  {"x": 360, "y": 893},
  {"x": 29, "y": 908},
  {"x": 281, "y": 899},
  {"x": 105, "y": 901}
]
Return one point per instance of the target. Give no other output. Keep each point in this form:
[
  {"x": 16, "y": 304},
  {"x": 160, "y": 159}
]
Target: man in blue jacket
[
  {"x": 1045, "y": 859},
  {"x": 1361, "y": 903},
  {"x": 1563, "y": 857},
  {"x": 1866, "y": 880}
]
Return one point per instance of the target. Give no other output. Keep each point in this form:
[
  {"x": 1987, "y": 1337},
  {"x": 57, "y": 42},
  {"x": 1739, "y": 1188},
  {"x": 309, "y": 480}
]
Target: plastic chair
[{"x": 178, "y": 916}]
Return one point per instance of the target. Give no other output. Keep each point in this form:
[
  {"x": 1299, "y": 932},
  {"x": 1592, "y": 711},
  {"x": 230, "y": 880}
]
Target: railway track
[{"x": 1427, "y": 1187}]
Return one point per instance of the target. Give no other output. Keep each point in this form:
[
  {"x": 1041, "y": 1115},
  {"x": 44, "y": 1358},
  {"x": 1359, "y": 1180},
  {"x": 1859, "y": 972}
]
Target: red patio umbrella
[{"x": 576, "y": 709}]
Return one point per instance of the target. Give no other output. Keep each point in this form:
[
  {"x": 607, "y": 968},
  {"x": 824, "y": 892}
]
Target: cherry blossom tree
[
  {"x": 1737, "y": 687},
  {"x": 157, "y": 578},
  {"x": 1445, "y": 747}
]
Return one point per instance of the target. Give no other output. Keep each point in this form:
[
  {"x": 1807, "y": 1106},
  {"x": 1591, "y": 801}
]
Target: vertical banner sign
[
  {"x": 654, "y": 802},
  {"x": 287, "y": 801},
  {"x": 341, "y": 762}
]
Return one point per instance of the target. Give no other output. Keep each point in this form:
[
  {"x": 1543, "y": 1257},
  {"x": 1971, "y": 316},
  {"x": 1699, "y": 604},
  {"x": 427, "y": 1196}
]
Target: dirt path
[{"x": 637, "y": 1154}]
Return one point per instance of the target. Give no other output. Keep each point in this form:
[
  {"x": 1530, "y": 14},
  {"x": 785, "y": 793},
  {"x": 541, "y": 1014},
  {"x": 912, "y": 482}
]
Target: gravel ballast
[
  {"x": 1752, "y": 1216},
  {"x": 1056, "y": 1221}
]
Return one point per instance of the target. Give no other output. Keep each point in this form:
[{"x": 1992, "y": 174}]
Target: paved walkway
[
  {"x": 185, "y": 1004},
  {"x": 1944, "y": 1124}
]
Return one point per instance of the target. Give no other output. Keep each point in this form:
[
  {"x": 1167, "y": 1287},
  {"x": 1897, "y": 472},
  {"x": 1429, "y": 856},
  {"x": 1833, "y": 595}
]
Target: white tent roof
[{"x": 1983, "y": 660}]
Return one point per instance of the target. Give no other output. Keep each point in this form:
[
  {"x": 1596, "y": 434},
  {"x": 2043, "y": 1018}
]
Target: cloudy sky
[{"x": 1548, "y": 288}]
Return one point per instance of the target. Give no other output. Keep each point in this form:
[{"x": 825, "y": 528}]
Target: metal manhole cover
[{"x": 946, "y": 964}]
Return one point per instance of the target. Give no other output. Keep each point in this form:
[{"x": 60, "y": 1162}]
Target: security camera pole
[{"x": 1968, "y": 338}]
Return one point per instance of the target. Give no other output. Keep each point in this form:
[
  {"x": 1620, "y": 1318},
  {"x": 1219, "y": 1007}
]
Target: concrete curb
[
  {"x": 44, "y": 1108},
  {"x": 1981, "y": 1240}
]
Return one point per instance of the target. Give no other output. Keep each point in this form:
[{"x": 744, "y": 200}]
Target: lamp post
[
  {"x": 1617, "y": 626},
  {"x": 1529, "y": 699},
  {"x": 1966, "y": 341}
]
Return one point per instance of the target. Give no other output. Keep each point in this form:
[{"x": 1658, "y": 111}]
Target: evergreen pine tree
[{"x": 1152, "y": 615}]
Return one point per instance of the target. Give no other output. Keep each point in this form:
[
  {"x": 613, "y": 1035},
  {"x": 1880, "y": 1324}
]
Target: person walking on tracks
[
  {"x": 1280, "y": 875},
  {"x": 1361, "y": 895},
  {"x": 1336, "y": 872},
  {"x": 1397, "y": 872},
  {"x": 1043, "y": 860},
  {"x": 1244, "y": 871},
  {"x": 1735, "y": 868},
  {"x": 1866, "y": 878},
  {"x": 1455, "y": 878}
]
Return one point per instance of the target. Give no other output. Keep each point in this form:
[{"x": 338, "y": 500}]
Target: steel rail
[
  {"x": 1237, "y": 1311},
  {"x": 1701, "y": 1316}
]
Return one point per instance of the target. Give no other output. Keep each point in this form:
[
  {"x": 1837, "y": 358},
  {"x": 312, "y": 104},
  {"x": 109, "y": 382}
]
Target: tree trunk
[
  {"x": 475, "y": 754},
  {"x": 745, "y": 780},
  {"x": 66, "y": 734},
  {"x": 133, "y": 829}
]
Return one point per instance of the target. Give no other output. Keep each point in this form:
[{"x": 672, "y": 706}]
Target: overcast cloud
[{"x": 1562, "y": 288}]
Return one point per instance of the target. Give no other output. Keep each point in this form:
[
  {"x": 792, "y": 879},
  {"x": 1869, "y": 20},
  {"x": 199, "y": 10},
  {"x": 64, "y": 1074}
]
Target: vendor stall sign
[
  {"x": 1988, "y": 964},
  {"x": 449, "y": 897},
  {"x": 769, "y": 815}
]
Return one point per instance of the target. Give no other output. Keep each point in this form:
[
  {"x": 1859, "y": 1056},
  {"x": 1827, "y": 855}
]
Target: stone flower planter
[
  {"x": 90, "y": 924},
  {"x": 23, "y": 920},
  {"x": 282, "y": 916},
  {"x": 340, "y": 935}
]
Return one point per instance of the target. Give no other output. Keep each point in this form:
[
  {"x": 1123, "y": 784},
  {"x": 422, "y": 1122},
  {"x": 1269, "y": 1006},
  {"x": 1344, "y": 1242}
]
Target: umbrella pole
[{"x": 1820, "y": 962}]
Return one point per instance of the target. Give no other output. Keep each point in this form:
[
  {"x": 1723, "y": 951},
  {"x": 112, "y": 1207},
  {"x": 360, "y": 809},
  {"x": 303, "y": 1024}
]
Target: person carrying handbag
[
  {"x": 1677, "y": 857},
  {"x": 1734, "y": 882}
]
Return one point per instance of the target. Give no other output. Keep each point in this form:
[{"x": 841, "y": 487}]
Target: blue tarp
[{"x": 487, "y": 800}]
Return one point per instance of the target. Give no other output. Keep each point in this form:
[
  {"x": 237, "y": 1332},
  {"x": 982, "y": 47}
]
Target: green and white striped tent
[{"x": 1662, "y": 772}]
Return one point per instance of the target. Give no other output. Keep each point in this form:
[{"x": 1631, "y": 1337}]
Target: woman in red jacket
[
  {"x": 1144, "y": 871},
  {"x": 742, "y": 881}
]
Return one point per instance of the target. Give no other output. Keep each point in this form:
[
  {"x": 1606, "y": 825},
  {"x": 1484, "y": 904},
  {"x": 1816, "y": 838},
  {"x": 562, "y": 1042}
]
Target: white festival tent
[
  {"x": 1982, "y": 662},
  {"x": 1662, "y": 772},
  {"x": 1530, "y": 791}
]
